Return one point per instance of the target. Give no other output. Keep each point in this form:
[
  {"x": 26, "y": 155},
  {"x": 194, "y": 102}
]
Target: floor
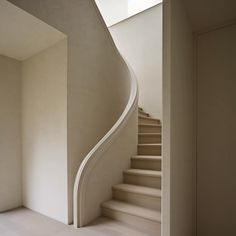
[{"x": 24, "y": 222}]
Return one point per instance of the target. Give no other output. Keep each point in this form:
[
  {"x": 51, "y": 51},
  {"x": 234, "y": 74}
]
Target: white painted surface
[
  {"x": 32, "y": 34},
  {"x": 139, "y": 39},
  {"x": 44, "y": 115},
  {"x": 216, "y": 192},
  {"x": 114, "y": 11},
  {"x": 10, "y": 135},
  {"x": 178, "y": 128}
]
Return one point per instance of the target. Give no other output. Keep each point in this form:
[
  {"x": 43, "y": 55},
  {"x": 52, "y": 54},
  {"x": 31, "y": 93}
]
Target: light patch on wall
[
  {"x": 135, "y": 6},
  {"x": 115, "y": 11}
]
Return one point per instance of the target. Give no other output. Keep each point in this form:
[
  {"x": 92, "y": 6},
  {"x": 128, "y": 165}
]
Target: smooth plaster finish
[
  {"x": 23, "y": 222},
  {"x": 10, "y": 135},
  {"x": 23, "y": 35},
  {"x": 178, "y": 123},
  {"x": 139, "y": 40},
  {"x": 44, "y": 132},
  {"x": 207, "y": 13},
  {"x": 115, "y": 11},
  {"x": 109, "y": 170},
  {"x": 216, "y": 162},
  {"x": 103, "y": 165},
  {"x": 97, "y": 88}
]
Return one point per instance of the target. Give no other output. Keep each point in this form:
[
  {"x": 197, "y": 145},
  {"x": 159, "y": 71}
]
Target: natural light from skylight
[{"x": 114, "y": 11}]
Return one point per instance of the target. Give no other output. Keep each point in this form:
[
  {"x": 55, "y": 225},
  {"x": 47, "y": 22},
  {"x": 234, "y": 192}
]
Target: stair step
[
  {"x": 146, "y": 162},
  {"x": 146, "y": 158},
  {"x": 133, "y": 210},
  {"x": 143, "y": 113},
  {"x": 151, "y": 192},
  {"x": 148, "y": 120},
  {"x": 149, "y": 149},
  {"x": 146, "y": 128},
  {"x": 145, "y": 219},
  {"x": 147, "y": 178},
  {"x": 138, "y": 195},
  {"x": 149, "y": 138},
  {"x": 149, "y": 173}
]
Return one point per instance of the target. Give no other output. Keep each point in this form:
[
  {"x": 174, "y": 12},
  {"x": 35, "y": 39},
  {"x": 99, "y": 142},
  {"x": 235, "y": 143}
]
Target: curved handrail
[{"x": 96, "y": 153}]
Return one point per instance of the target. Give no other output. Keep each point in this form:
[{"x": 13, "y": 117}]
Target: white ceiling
[
  {"x": 114, "y": 11},
  {"x": 22, "y": 35},
  {"x": 207, "y": 13}
]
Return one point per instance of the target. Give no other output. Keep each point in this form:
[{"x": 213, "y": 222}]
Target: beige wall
[
  {"x": 10, "y": 135},
  {"x": 216, "y": 192},
  {"x": 44, "y": 128},
  {"x": 108, "y": 168},
  {"x": 178, "y": 134},
  {"x": 139, "y": 40},
  {"x": 98, "y": 89}
]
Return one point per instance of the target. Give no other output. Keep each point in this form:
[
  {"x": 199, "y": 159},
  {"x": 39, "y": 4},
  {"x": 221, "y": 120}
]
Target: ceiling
[
  {"x": 23, "y": 35},
  {"x": 207, "y": 13}
]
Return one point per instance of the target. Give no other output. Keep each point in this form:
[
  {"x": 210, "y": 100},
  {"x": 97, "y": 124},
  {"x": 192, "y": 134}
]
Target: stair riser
[
  {"x": 145, "y": 225},
  {"x": 149, "y": 150},
  {"x": 149, "y": 129},
  {"x": 148, "y": 181},
  {"x": 146, "y": 164},
  {"x": 142, "y": 120},
  {"x": 142, "y": 139},
  {"x": 150, "y": 202}
]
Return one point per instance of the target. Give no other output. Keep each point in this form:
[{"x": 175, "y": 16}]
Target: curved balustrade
[
  {"x": 89, "y": 187},
  {"x": 103, "y": 165}
]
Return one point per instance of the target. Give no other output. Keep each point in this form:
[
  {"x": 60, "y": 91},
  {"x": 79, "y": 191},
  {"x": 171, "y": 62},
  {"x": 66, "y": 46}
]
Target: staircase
[{"x": 137, "y": 201}]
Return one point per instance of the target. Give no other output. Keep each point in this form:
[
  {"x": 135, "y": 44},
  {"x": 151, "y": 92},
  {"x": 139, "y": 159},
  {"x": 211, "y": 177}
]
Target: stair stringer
[{"x": 103, "y": 166}]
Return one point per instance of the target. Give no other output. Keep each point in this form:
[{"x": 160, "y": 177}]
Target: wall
[
  {"x": 98, "y": 87},
  {"x": 107, "y": 169},
  {"x": 216, "y": 162},
  {"x": 23, "y": 35},
  {"x": 10, "y": 135},
  {"x": 44, "y": 115},
  {"x": 139, "y": 40},
  {"x": 116, "y": 11},
  {"x": 178, "y": 132}
]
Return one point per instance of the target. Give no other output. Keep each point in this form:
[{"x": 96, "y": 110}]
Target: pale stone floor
[{"x": 24, "y": 222}]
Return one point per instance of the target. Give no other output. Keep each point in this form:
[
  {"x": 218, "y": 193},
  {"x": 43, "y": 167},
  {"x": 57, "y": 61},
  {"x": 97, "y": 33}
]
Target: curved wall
[{"x": 97, "y": 88}]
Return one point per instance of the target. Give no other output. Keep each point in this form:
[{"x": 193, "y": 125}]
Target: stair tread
[
  {"x": 149, "y": 134},
  {"x": 146, "y": 157},
  {"x": 133, "y": 210},
  {"x": 138, "y": 189},
  {"x": 151, "y": 125},
  {"x": 151, "y": 173},
  {"x": 149, "y": 144}
]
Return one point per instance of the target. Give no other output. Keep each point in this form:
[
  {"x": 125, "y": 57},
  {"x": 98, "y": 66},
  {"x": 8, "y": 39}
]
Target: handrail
[{"x": 96, "y": 153}]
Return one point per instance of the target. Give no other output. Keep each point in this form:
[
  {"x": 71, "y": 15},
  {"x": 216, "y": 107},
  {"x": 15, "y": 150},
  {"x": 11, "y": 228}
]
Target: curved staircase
[{"x": 137, "y": 201}]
